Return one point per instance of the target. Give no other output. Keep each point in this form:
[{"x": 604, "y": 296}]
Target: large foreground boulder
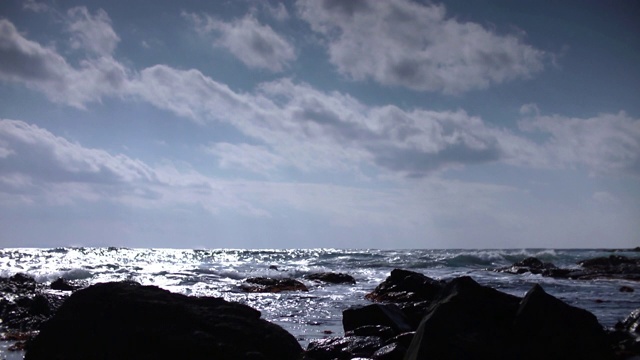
[
  {"x": 126, "y": 320},
  {"x": 470, "y": 321}
]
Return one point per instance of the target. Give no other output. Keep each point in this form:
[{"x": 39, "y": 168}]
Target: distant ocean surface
[{"x": 317, "y": 313}]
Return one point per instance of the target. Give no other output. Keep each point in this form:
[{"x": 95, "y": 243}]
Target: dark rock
[
  {"x": 608, "y": 262},
  {"x": 126, "y": 320},
  {"x": 332, "y": 278},
  {"x": 466, "y": 321},
  {"x": 343, "y": 348},
  {"x": 18, "y": 284},
  {"x": 375, "y": 314},
  {"x": 626, "y": 289},
  {"x": 271, "y": 285},
  {"x": 611, "y": 267},
  {"x": 415, "y": 311},
  {"x": 381, "y": 331},
  {"x": 530, "y": 265},
  {"x": 23, "y": 306},
  {"x": 61, "y": 284},
  {"x": 403, "y": 339},
  {"x": 405, "y": 286},
  {"x": 393, "y": 351},
  {"x": 631, "y": 323},
  {"x": 547, "y": 328},
  {"x": 626, "y": 336}
]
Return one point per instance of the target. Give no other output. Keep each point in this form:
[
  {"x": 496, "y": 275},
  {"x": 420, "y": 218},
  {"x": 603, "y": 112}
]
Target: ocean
[{"x": 318, "y": 312}]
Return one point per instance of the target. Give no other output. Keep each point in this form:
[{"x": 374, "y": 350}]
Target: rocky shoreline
[{"x": 411, "y": 316}]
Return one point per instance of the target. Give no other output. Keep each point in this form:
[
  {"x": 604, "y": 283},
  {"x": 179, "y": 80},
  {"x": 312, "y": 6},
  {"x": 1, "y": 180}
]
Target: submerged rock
[
  {"x": 271, "y": 285},
  {"x": 126, "y": 320},
  {"x": 332, "y": 278},
  {"x": 62, "y": 285}
]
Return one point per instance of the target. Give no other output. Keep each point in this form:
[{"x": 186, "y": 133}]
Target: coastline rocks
[
  {"x": 611, "y": 267},
  {"x": 473, "y": 321},
  {"x": 125, "y": 320},
  {"x": 271, "y": 285},
  {"x": 405, "y": 286},
  {"x": 332, "y": 278}
]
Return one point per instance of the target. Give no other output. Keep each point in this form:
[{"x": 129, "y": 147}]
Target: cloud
[
  {"x": 92, "y": 32},
  {"x": 404, "y": 43},
  {"x": 255, "y": 158},
  {"x": 41, "y": 68},
  {"x": 604, "y": 144},
  {"x": 35, "y": 6},
  {"x": 256, "y": 45},
  {"x": 296, "y": 125},
  {"x": 43, "y": 155},
  {"x": 277, "y": 11},
  {"x": 42, "y": 168}
]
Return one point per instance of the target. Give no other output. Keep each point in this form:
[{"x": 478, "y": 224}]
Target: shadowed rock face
[
  {"x": 126, "y": 320},
  {"x": 405, "y": 286}
]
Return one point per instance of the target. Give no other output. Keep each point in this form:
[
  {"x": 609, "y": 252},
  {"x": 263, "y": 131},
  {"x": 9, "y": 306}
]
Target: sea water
[{"x": 318, "y": 312}]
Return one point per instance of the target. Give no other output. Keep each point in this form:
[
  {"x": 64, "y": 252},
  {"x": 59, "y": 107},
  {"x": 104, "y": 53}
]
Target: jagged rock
[
  {"x": 271, "y": 285},
  {"x": 466, "y": 321},
  {"x": 126, "y": 320},
  {"x": 470, "y": 321},
  {"x": 332, "y": 278},
  {"x": 405, "y": 286},
  {"x": 547, "y": 328},
  {"x": 376, "y": 314},
  {"x": 343, "y": 348},
  {"x": 23, "y": 306},
  {"x": 18, "y": 284}
]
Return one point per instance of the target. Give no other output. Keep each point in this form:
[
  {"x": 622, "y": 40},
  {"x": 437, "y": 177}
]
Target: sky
[{"x": 320, "y": 123}]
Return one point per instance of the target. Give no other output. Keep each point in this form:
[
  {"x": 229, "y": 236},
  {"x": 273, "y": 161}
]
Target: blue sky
[{"x": 298, "y": 124}]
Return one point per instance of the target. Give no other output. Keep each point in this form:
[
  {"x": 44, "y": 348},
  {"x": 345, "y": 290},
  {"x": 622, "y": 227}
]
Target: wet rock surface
[
  {"x": 125, "y": 320},
  {"x": 24, "y": 307},
  {"x": 332, "y": 278},
  {"x": 405, "y": 286},
  {"x": 272, "y": 285}
]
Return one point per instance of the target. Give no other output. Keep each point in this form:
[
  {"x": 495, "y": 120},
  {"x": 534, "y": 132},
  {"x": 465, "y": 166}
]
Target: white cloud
[
  {"x": 604, "y": 144},
  {"x": 92, "y": 32},
  {"x": 255, "y": 44},
  {"x": 254, "y": 158},
  {"x": 404, "y": 43},
  {"x": 35, "y": 6},
  {"x": 277, "y": 11},
  {"x": 606, "y": 198},
  {"x": 41, "y": 68}
]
